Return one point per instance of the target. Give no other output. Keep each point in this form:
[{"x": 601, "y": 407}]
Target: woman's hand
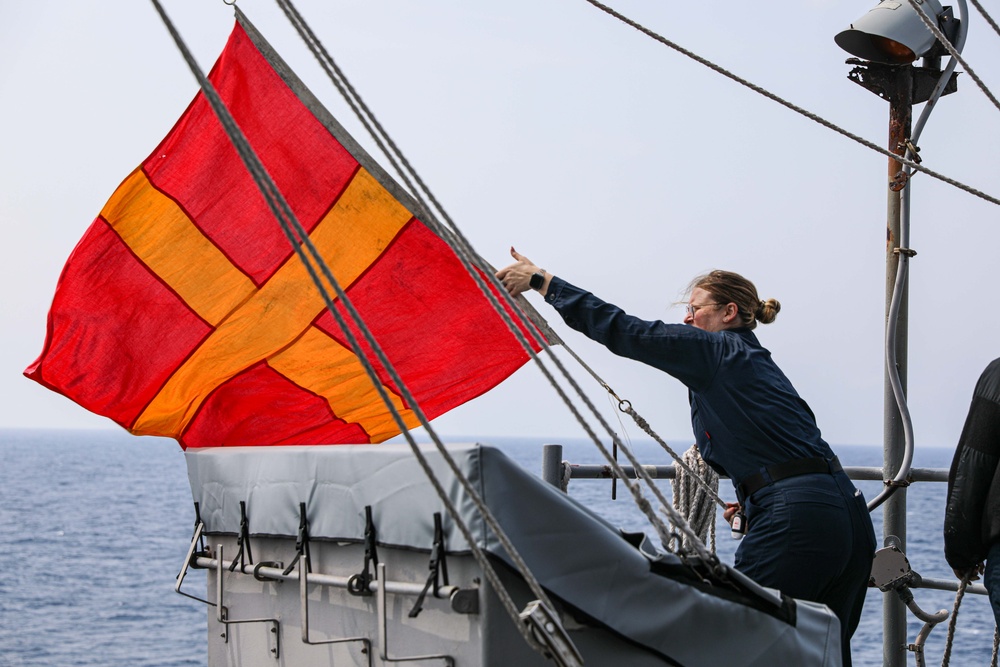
[
  {"x": 516, "y": 278},
  {"x": 970, "y": 573},
  {"x": 731, "y": 509}
]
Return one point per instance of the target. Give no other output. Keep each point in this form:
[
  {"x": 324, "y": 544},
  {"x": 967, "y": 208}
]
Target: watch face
[{"x": 536, "y": 280}]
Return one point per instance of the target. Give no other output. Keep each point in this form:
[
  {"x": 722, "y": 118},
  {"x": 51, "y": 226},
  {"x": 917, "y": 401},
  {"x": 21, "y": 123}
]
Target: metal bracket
[
  {"x": 198, "y": 529},
  {"x": 550, "y": 636},
  {"x": 223, "y": 613},
  {"x": 304, "y": 597},
  {"x": 383, "y": 639},
  {"x": 891, "y": 572},
  {"x": 914, "y": 150},
  {"x": 883, "y": 80},
  {"x": 899, "y": 181},
  {"x": 891, "y": 569}
]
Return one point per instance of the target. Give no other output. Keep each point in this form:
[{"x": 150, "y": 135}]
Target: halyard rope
[
  {"x": 989, "y": 19},
  {"x": 292, "y": 228},
  {"x": 959, "y": 594},
  {"x": 951, "y": 621},
  {"x": 936, "y": 31},
  {"x": 471, "y": 260},
  {"x": 775, "y": 98}
]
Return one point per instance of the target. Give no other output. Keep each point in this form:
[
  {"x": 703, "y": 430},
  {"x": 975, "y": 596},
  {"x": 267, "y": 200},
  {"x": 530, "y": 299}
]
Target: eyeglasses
[{"x": 692, "y": 309}]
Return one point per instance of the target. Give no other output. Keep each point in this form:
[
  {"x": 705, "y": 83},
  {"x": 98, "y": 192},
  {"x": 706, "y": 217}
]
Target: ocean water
[{"x": 94, "y": 526}]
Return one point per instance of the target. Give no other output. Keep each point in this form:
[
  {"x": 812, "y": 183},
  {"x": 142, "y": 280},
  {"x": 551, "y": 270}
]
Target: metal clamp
[
  {"x": 437, "y": 565},
  {"x": 301, "y": 541},
  {"x": 243, "y": 540},
  {"x": 360, "y": 584},
  {"x": 550, "y": 636}
]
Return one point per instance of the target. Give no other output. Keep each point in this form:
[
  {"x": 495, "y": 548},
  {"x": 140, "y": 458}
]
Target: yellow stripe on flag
[
  {"x": 350, "y": 238},
  {"x": 162, "y": 235},
  {"x": 323, "y": 366}
]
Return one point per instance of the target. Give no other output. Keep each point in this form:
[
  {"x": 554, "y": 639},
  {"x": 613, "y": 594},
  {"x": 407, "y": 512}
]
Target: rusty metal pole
[
  {"x": 894, "y": 508},
  {"x": 902, "y": 86}
]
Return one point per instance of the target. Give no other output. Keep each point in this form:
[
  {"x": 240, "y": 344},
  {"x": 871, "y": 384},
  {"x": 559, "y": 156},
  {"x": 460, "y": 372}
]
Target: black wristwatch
[{"x": 537, "y": 280}]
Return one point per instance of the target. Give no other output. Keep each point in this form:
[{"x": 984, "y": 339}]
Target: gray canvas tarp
[{"x": 648, "y": 597}]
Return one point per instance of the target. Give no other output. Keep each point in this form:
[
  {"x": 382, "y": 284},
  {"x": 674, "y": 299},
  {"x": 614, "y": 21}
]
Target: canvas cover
[{"x": 648, "y": 597}]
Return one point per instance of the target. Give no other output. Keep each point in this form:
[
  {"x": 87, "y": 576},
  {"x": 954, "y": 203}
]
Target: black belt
[{"x": 771, "y": 474}]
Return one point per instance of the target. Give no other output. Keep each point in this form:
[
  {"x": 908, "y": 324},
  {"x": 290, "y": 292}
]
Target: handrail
[
  {"x": 553, "y": 470},
  {"x": 863, "y": 473}
]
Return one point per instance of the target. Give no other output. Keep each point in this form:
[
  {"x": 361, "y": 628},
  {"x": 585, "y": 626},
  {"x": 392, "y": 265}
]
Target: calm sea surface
[{"x": 94, "y": 527}]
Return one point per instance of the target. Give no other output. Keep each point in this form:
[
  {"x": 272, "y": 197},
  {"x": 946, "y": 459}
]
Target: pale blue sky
[{"x": 602, "y": 155}]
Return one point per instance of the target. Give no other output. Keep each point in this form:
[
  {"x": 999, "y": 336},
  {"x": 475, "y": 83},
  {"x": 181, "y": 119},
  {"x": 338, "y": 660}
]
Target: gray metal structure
[{"x": 620, "y": 600}]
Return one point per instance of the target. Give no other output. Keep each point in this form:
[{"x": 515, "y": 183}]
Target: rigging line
[
  {"x": 373, "y": 126},
  {"x": 358, "y": 105},
  {"x": 408, "y": 398},
  {"x": 949, "y": 638},
  {"x": 390, "y": 149},
  {"x": 280, "y": 208},
  {"x": 936, "y": 31},
  {"x": 470, "y": 258},
  {"x": 644, "y": 425},
  {"x": 347, "y": 91},
  {"x": 808, "y": 114},
  {"x": 989, "y": 19}
]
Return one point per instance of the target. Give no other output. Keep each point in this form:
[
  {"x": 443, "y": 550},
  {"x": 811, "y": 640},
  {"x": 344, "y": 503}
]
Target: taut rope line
[
  {"x": 775, "y": 98},
  {"x": 470, "y": 259},
  {"x": 952, "y": 51},
  {"x": 294, "y": 230}
]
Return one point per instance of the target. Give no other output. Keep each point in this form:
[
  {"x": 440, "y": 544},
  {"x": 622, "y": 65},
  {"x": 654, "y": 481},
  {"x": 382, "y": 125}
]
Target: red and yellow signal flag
[{"x": 184, "y": 312}]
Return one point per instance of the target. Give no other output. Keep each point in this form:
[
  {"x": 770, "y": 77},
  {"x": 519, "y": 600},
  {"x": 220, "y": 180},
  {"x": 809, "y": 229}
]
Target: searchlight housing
[{"x": 894, "y": 33}]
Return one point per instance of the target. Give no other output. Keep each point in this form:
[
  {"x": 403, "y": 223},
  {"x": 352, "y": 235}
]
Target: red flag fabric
[{"x": 184, "y": 312}]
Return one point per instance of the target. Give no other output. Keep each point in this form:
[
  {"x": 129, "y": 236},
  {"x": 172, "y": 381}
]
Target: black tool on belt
[{"x": 771, "y": 474}]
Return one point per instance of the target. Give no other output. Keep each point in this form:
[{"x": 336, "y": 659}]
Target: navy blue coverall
[{"x": 809, "y": 536}]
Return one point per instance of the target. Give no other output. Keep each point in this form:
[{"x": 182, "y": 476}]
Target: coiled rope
[{"x": 691, "y": 499}]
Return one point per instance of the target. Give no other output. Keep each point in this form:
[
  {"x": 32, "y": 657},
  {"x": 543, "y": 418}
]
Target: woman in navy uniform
[{"x": 809, "y": 533}]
